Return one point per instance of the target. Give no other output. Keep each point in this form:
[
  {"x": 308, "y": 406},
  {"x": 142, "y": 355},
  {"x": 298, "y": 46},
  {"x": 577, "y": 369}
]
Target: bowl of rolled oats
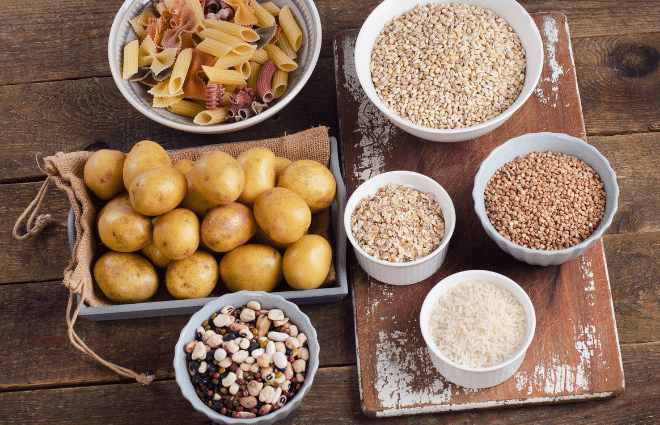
[
  {"x": 545, "y": 198},
  {"x": 449, "y": 72},
  {"x": 400, "y": 224}
]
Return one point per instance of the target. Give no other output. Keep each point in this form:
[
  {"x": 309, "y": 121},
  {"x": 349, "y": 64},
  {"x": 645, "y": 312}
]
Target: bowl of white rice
[{"x": 477, "y": 325}]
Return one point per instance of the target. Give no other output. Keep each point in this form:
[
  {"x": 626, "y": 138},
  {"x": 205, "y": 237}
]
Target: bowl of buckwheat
[
  {"x": 449, "y": 72},
  {"x": 545, "y": 198},
  {"x": 400, "y": 224},
  {"x": 247, "y": 358}
]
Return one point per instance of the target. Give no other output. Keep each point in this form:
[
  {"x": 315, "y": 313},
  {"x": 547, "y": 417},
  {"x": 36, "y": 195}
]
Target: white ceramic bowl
[
  {"x": 412, "y": 271},
  {"x": 510, "y": 10},
  {"x": 237, "y": 299},
  {"x": 544, "y": 142},
  {"x": 477, "y": 377},
  {"x": 121, "y": 33}
]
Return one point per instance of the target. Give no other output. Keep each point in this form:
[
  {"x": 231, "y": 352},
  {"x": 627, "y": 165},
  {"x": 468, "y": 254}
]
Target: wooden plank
[
  {"x": 575, "y": 352},
  {"x": 36, "y": 352},
  {"x": 334, "y": 398}
]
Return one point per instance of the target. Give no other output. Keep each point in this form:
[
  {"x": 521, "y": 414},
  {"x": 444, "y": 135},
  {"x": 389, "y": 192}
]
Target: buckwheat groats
[
  {"x": 545, "y": 201},
  {"x": 398, "y": 224},
  {"x": 448, "y": 66}
]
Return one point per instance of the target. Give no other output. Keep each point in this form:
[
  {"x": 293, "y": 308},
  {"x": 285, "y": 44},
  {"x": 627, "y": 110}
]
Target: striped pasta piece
[
  {"x": 290, "y": 28},
  {"x": 280, "y": 82},
  {"x": 186, "y": 108},
  {"x": 180, "y": 70},
  {"x": 283, "y": 44},
  {"x": 214, "y": 47},
  {"x": 265, "y": 18},
  {"x": 271, "y": 8},
  {"x": 282, "y": 61},
  {"x": 259, "y": 56},
  {"x": 196, "y": 7},
  {"x": 211, "y": 116},
  {"x": 130, "y": 65},
  {"x": 232, "y": 59},
  {"x": 255, "y": 67},
  {"x": 244, "y": 69},
  {"x": 245, "y": 33},
  {"x": 224, "y": 76}
]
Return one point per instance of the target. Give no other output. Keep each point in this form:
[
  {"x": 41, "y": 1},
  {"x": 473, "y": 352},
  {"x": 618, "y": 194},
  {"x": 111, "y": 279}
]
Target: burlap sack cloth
[{"x": 66, "y": 171}]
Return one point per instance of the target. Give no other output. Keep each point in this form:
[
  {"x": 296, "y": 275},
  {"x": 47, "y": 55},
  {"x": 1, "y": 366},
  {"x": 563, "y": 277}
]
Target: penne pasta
[
  {"x": 281, "y": 60},
  {"x": 271, "y": 8},
  {"x": 130, "y": 65},
  {"x": 283, "y": 44},
  {"x": 237, "y": 44},
  {"x": 165, "y": 101},
  {"x": 290, "y": 28},
  {"x": 280, "y": 82},
  {"x": 211, "y": 116},
  {"x": 260, "y": 56},
  {"x": 163, "y": 90},
  {"x": 247, "y": 34},
  {"x": 265, "y": 18},
  {"x": 232, "y": 59},
  {"x": 180, "y": 70},
  {"x": 244, "y": 69},
  {"x": 255, "y": 67},
  {"x": 224, "y": 76},
  {"x": 186, "y": 108},
  {"x": 214, "y": 47}
]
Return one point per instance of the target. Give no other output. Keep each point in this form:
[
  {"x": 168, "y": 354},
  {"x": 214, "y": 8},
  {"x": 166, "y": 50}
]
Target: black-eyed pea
[
  {"x": 245, "y": 333},
  {"x": 299, "y": 366},
  {"x": 266, "y": 394},
  {"x": 254, "y": 305},
  {"x": 229, "y": 379},
  {"x": 248, "y": 402},
  {"x": 267, "y": 374},
  {"x": 227, "y": 309},
  {"x": 300, "y": 377},
  {"x": 281, "y": 401},
  {"x": 203, "y": 367},
  {"x": 254, "y": 387},
  {"x": 302, "y": 338},
  {"x": 199, "y": 352},
  {"x": 233, "y": 388},
  {"x": 288, "y": 373},
  {"x": 226, "y": 362},
  {"x": 292, "y": 343},
  {"x": 247, "y": 315},
  {"x": 279, "y": 380},
  {"x": 263, "y": 360},
  {"x": 286, "y": 385},
  {"x": 280, "y": 347},
  {"x": 222, "y": 320},
  {"x": 276, "y": 314}
]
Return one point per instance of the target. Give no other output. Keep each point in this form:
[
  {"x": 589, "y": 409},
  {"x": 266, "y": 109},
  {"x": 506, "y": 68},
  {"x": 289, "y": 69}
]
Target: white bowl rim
[
  {"x": 203, "y": 313},
  {"x": 522, "y": 349},
  {"x": 214, "y": 128},
  {"x": 443, "y": 243},
  {"x": 605, "y": 222},
  {"x": 496, "y": 121}
]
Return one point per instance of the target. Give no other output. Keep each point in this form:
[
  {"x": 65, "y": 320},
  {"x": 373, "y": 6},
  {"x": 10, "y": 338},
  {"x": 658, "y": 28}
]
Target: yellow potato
[
  {"x": 311, "y": 181},
  {"x": 306, "y": 262},
  {"x": 261, "y": 237},
  {"x": 103, "y": 173},
  {"x": 121, "y": 228},
  {"x": 155, "y": 256},
  {"x": 156, "y": 191},
  {"x": 259, "y": 168},
  {"x": 282, "y": 214},
  {"x": 251, "y": 267},
  {"x": 125, "y": 277},
  {"x": 176, "y": 234},
  {"x": 144, "y": 155},
  {"x": 227, "y": 226},
  {"x": 194, "y": 201},
  {"x": 193, "y": 277},
  {"x": 280, "y": 164},
  {"x": 218, "y": 177}
]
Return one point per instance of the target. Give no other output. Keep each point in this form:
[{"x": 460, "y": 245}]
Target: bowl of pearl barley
[{"x": 449, "y": 72}]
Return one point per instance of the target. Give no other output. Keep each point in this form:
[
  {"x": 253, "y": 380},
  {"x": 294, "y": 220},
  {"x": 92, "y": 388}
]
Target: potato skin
[
  {"x": 176, "y": 233},
  {"x": 259, "y": 169},
  {"x": 121, "y": 228},
  {"x": 251, "y": 267},
  {"x": 153, "y": 254},
  {"x": 156, "y": 191},
  {"x": 144, "y": 155},
  {"x": 125, "y": 277},
  {"x": 193, "y": 277},
  {"x": 103, "y": 173},
  {"x": 218, "y": 177},
  {"x": 311, "y": 181},
  {"x": 227, "y": 226},
  {"x": 306, "y": 262},
  {"x": 280, "y": 164},
  {"x": 282, "y": 214},
  {"x": 194, "y": 201}
]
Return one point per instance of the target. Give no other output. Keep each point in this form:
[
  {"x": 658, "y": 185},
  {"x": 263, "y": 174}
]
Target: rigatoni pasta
[{"x": 218, "y": 71}]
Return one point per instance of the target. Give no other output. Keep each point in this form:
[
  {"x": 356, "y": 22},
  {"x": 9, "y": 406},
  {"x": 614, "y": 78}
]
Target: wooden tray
[{"x": 575, "y": 353}]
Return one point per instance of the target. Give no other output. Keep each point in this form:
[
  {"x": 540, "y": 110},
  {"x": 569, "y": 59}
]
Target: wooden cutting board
[{"x": 575, "y": 353}]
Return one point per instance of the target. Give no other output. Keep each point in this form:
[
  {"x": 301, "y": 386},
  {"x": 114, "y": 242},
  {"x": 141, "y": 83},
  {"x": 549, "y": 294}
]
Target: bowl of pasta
[{"x": 210, "y": 66}]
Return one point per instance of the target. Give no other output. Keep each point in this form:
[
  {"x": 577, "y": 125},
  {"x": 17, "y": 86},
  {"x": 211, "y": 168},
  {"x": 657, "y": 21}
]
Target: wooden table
[{"x": 57, "y": 95}]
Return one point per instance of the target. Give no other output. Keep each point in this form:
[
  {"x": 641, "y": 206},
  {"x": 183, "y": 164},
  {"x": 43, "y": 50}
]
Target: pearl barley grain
[{"x": 448, "y": 66}]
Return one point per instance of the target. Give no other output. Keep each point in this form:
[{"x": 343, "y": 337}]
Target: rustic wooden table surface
[{"x": 56, "y": 94}]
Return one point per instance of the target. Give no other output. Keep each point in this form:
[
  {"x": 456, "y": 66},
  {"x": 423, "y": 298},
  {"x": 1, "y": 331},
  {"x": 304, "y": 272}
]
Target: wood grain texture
[{"x": 334, "y": 398}]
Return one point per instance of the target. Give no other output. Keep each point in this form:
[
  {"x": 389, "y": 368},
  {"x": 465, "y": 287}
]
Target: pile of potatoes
[{"x": 241, "y": 220}]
